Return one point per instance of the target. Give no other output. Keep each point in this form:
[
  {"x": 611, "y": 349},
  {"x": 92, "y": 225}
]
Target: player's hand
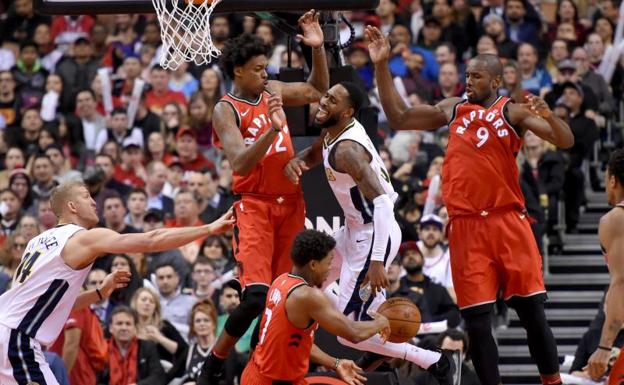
[
  {"x": 384, "y": 324},
  {"x": 378, "y": 45},
  {"x": 294, "y": 169},
  {"x": 597, "y": 364},
  {"x": 349, "y": 372},
  {"x": 312, "y": 32},
  {"x": 376, "y": 277},
  {"x": 538, "y": 106},
  {"x": 276, "y": 112},
  {"x": 116, "y": 280},
  {"x": 223, "y": 224}
]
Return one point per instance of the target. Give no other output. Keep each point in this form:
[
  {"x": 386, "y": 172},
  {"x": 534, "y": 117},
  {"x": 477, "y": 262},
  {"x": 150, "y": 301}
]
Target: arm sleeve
[{"x": 382, "y": 217}]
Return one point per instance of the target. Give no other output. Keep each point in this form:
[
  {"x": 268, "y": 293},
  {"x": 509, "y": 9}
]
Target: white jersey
[
  {"x": 44, "y": 287},
  {"x": 357, "y": 209}
]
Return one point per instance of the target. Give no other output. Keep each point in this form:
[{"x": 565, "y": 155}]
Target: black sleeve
[
  {"x": 581, "y": 356},
  {"x": 150, "y": 372},
  {"x": 169, "y": 331},
  {"x": 179, "y": 364},
  {"x": 556, "y": 173}
]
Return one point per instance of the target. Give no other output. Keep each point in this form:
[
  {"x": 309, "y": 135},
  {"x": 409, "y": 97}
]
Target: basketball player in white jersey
[
  {"x": 370, "y": 239},
  {"x": 55, "y": 264}
]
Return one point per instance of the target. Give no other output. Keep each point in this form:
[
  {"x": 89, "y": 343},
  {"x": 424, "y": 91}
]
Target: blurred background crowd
[{"x": 83, "y": 97}]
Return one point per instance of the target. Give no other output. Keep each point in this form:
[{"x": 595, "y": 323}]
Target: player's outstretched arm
[
  {"x": 302, "y": 93},
  {"x": 347, "y": 370},
  {"x": 306, "y": 159},
  {"x": 536, "y": 116},
  {"x": 400, "y": 116},
  {"x": 611, "y": 237},
  {"x": 115, "y": 280},
  {"x": 85, "y": 246},
  {"x": 244, "y": 158},
  {"x": 315, "y": 305}
]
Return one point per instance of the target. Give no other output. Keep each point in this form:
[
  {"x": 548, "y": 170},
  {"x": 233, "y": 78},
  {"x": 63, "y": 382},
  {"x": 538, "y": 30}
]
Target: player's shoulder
[{"x": 612, "y": 222}]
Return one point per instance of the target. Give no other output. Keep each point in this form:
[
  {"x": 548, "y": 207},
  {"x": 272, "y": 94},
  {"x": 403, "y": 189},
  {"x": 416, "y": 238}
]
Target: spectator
[
  {"x": 535, "y": 80},
  {"x": 387, "y": 12},
  {"x": 114, "y": 213},
  {"x": 43, "y": 177},
  {"x": 171, "y": 118},
  {"x": 401, "y": 41},
  {"x": 79, "y": 69},
  {"x": 9, "y": 103},
  {"x": 47, "y": 137},
  {"x": 358, "y": 57},
  {"x": 122, "y": 262},
  {"x": 437, "y": 264},
  {"x": 436, "y": 303},
  {"x": 219, "y": 31},
  {"x": 214, "y": 199},
  {"x": 21, "y": 21},
  {"x": 558, "y": 52},
  {"x": 188, "y": 152},
  {"x": 84, "y": 129},
  {"x": 55, "y": 98},
  {"x": 183, "y": 82},
  {"x": 451, "y": 31},
  {"x": 12, "y": 251},
  {"x": 154, "y": 219},
  {"x": 101, "y": 309},
  {"x": 414, "y": 81},
  {"x": 45, "y": 215},
  {"x": 19, "y": 183},
  {"x": 155, "y": 182},
  {"x": 130, "y": 360},
  {"x": 118, "y": 131},
  {"x": 66, "y": 29},
  {"x": 567, "y": 12},
  {"x": 26, "y": 136},
  {"x": 156, "y": 150},
  {"x": 567, "y": 73},
  {"x": 229, "y": 299},
  {"x": 29, "y": 73},
  {"x": 186, "y": 213},
  {"x": 486, "y": 45},
  {"x": 131, "y": 70},
  {"x": 520, "y": 29},
  {"x": 11, "y": 205},
  {"x": 13, "y": 159},
  {"x": 29, "y": 227},
  {"x": 512, "y": 84},
  {"x": 203, "y": 276},
  {"x": 218, "y": 253},
  {"x": 161, "y": 94},
  {"x": 151, "y": 326},
  {"x": 176, "y": 305},
  {"x": 107, "y": 164},
  {"x": 589, "y": 78},
  {"x": 587, "y": 345},
  {"x": 145, "y": 119},
  {"x": 124, "y": 42},
  {"x": 605, "y": 29},
  {"x": 131, "y": 171},
  {"x": 448, "y": 82},
  {"x": 394, "y": 277},
  {"x": 137, "y": 207},
  {"x": 60, "y": 166},
  {"x": 200, "y": 118},
  {"x": 95, "y": 179},
  {"x": 202, "y": 330}
]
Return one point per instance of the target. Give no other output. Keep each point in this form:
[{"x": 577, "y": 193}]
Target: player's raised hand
[
  {"x": 378, "y": 45},
  {"x": 312, "y": 32},
  {"x": 349, "y": 372},
  {"x": 223, "y": 224},
  {"x": 294, "y": 169},
  {"x": 384, "y": 328},
  {"x": 597, "y": 364},
  {"x": 276, "y": 112},
  {"x": 538, "y": 106},
  {"x": 116, "y": 280},
  {"x": 376, "y": 277}
]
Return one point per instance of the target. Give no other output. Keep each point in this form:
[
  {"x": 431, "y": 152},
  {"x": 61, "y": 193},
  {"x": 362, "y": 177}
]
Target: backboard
[{"x": 90, "y": 7}]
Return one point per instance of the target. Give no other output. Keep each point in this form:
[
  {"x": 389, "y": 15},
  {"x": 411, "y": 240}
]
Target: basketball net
[{"x": 185, "y": 31}]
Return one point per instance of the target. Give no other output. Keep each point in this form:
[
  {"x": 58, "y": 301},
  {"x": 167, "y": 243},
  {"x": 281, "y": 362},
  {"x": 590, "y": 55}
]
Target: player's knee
[
  {"x": 478, "y": 324},
  {"x": 253, "y": 302}
]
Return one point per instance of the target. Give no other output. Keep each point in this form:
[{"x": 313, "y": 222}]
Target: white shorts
[
  {"x": 351, "y": 260},
  {"x": 22, "y": 361}
]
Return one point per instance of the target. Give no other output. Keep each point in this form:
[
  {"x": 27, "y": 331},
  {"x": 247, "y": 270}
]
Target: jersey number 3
[{"x": 25, "y": 267}]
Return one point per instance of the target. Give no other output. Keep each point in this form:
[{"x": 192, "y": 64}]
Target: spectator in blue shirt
[{"x": 535, "y": 80}]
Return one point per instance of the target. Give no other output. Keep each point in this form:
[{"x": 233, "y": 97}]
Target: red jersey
[
  {"x": 267, "y": 178},
  {"x": 480, "y": 171},
  {"x": 283, "y": 352}
]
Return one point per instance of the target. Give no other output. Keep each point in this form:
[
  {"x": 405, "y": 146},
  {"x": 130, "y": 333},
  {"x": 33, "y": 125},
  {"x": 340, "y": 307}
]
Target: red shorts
[
  {"x": 251, "y": 376},
  {"x": 263, "y": 235},
  {"x": 616, "y": 376},
  {"x": 494, "y": 252}
]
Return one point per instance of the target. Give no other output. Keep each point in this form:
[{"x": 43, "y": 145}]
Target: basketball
[{"x": 404, "y": 318}]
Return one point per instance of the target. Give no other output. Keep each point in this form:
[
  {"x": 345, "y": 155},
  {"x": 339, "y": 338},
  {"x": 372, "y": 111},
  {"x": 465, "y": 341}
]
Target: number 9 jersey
[{"x": 44, "y": 287}]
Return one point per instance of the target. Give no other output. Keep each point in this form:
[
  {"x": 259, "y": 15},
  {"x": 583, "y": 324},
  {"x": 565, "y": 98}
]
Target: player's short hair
[
  {"x": 61, "y": 194},
  {"x": 125, "y": 310},
  {"x": 239, "y": 51},
  {"x": 311, "y": 245},
  {"x": 356, "y": 95},
  {"x": 616, "y": 165},
  {"x": 492, "y": 63}
]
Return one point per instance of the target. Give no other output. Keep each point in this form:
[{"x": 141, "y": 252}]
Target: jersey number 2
[{"x": 25, "y": 267}]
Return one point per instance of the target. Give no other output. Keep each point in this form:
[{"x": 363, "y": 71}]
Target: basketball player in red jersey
[
  {"x": 250, "y": 126},
  {"x": 491, "y": 244},
  {"x": 295, "y": 308},
  {"x": 612, "y": 240}
]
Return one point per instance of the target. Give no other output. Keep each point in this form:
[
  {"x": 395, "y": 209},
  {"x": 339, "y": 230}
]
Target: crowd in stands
[{"x": 83, "y": 97}]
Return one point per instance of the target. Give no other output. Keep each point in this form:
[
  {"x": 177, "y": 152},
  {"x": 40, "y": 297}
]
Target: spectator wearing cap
[
  {"x": 188, "y": 151},
  {"x": 78, "y": 69},
  {"x": 114, "y": 214},
  {"x": 137, "y": 207},
  {"x": 589, "y": 78},
  {"x": 585, "y": 134},
  {"x": 567, "y": 73},
  {"x": 432, "y": 298},
  {"x": 535, "y": 80},
  {"x": 84, "y": 128},
  {"x": 186, "y": 213},
  {"x": 175, "y": 174},
  {"x": 155, "y": 219},
  {"x": 43, "y": 177},
  {"x": 62, "y": 171},
  {"x": 95, "y": 179},
  {"x": 494, "y": 27},
  {"x": 9, "y": 106},
  {"x": 154, "y": 185},
  {"x": 161, "y": 94},
  {"x": 28, "y": 71},
  {"x": 118, "y": 131},
  {"x": 107, "y": 164},
  {"x": 131, "y": 171},
  {"x": 437, "y": 261},
  {"x": 13, "y": 159}
]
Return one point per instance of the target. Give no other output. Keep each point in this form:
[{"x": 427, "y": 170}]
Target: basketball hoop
[{"x": 185, "y": 31}]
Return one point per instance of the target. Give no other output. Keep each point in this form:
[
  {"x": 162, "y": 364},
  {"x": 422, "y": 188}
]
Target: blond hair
[
  {"x": 62, "y": 194},
  {"x": 156, "y": 318}
]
